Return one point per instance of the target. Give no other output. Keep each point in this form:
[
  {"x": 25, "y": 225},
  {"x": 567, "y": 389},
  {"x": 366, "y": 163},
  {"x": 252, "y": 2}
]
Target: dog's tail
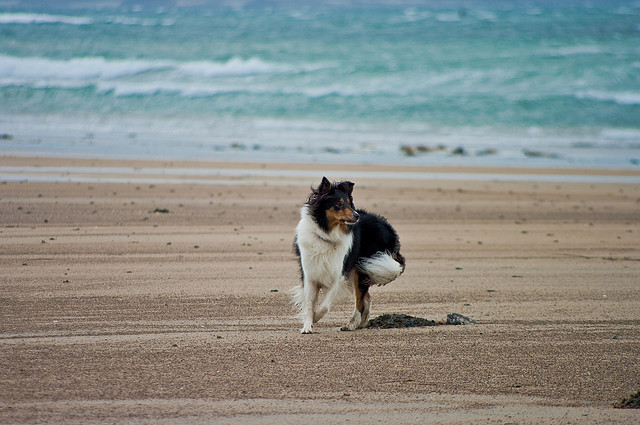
[{"x": 381, "y": 268}]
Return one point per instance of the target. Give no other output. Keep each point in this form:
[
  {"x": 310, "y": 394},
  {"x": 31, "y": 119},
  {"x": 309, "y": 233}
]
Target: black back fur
[{"x": 371, "y": 234}]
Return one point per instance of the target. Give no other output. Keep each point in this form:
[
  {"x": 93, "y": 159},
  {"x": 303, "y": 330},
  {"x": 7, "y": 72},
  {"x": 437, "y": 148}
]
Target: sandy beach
[{"x": 148, "y": 299}]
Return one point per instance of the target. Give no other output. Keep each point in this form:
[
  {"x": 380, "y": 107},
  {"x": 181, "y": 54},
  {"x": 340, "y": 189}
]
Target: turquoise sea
[{"x": 517, "y": 83}]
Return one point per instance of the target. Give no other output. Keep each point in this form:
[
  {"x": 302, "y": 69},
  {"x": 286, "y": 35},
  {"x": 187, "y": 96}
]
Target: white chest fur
[{"x": 321, "y": 254}]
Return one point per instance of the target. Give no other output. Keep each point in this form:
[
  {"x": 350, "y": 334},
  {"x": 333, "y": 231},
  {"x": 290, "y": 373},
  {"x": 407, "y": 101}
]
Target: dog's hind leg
[
  {"x": 363, "y": 303},
  {"x": 366, "y": 305}
]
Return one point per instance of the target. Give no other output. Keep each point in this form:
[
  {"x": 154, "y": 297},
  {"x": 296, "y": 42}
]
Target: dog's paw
[
  {"x": 354, "y": 323},
  {"x": 347, "y": 328},
  {"x": 306, "y": 330}
]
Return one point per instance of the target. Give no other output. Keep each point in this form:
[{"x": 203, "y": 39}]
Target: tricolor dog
[{"x": 341, "y": 249}]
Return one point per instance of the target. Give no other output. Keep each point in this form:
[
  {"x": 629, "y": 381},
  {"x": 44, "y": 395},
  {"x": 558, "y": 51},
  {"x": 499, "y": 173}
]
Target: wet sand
[{"x": 151, "y": 302}]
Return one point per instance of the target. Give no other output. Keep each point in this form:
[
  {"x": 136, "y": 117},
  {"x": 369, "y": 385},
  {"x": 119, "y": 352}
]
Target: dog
[{"x": 341, "y": 250}]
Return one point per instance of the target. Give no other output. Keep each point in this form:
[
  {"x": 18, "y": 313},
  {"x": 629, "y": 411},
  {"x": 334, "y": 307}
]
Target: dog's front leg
[
  {"x": 335, "y": 292},
  {"x": 308, "y": 305}
]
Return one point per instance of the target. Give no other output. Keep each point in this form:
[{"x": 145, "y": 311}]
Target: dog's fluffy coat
[{"x": 341, "y": 250}]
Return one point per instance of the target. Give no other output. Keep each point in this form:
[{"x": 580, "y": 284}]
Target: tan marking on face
[{"x": 339, "y": 217}]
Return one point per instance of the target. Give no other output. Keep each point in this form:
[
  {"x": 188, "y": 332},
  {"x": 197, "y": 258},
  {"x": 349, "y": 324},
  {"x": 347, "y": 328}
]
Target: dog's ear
[
  {"x": 325, "y": 186},
  {"x": 347, "y": 187}
]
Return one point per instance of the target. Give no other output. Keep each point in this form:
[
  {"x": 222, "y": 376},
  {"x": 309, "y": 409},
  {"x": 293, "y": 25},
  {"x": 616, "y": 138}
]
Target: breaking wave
[
  {"x": 34, "y": 71},
  {"x": 40, "y": 18},
  {"x": 620, "y": 98}
]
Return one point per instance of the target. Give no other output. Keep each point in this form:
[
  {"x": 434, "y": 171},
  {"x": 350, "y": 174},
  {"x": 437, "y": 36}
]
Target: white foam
[
  {"x": 38, "y": 18},
  {"x": 137, "y": 89},
  {"x": 621, "y": 98},
  {"x": 629, "y": 135},
  {"x": 448, "y": 17},
  {"x": 578, "y": 50},
  {"x": 485, "y": 15},
  {"x": 233, "y": 67},
  {"x": 382, "y": 264},
  {"x": 145, "y": 22},
  {"x": 42, "y": 18},
  {"x": 32, "y": 70}
]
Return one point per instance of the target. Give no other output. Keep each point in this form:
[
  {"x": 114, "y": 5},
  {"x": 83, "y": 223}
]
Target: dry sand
[{"x": 114, "y": 311}]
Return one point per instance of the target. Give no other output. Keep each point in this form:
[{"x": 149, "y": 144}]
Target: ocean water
[{"x": 517, "y": 83}]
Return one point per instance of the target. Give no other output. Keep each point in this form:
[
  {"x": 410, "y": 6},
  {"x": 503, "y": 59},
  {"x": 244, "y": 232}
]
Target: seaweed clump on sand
[
  {"x": 632, "y": 402},
  {"x": 399, "y": 320},
  {"x": 389, "y": 321}
]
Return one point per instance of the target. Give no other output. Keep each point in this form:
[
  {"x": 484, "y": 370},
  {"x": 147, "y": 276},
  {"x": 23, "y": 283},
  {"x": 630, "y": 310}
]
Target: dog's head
[{"x": 332, "y": 204}]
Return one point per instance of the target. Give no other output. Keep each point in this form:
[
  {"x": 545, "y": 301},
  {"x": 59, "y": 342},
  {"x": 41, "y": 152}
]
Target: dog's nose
[{"x": 356, "y": 216}]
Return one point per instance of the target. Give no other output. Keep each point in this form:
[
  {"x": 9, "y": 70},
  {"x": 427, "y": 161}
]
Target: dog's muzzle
[{"x": 354, "y": 219}]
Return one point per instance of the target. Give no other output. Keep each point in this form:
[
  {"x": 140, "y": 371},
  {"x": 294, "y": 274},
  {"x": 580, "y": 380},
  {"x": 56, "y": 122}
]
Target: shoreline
[{"x": 86, "y": 170}]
